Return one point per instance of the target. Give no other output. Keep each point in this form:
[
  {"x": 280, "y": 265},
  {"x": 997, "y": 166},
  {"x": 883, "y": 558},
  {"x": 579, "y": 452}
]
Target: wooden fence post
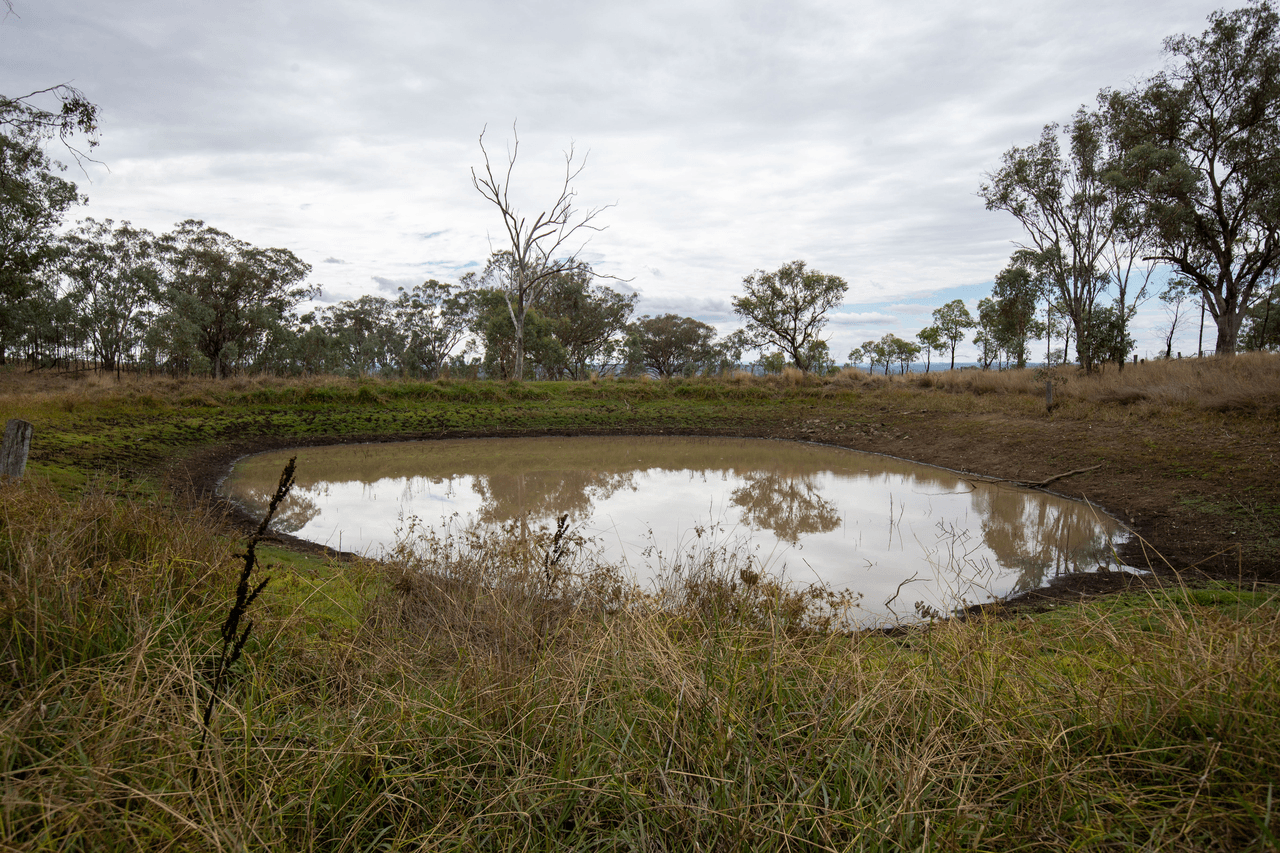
[{"x": 17, "y": 443}]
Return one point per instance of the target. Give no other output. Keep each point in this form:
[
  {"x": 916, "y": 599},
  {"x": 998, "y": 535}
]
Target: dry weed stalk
[{"x": 233, "y": 638}]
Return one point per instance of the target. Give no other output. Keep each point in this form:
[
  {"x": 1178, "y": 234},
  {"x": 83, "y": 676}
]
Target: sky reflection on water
[{"x": 873, "y": 524}]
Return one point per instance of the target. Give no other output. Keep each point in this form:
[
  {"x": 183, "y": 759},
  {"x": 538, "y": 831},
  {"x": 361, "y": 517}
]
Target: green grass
[{"x": 322, "y": 594}]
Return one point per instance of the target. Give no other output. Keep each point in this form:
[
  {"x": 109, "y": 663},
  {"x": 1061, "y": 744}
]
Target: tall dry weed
[{"x": 1247, "y": 383}]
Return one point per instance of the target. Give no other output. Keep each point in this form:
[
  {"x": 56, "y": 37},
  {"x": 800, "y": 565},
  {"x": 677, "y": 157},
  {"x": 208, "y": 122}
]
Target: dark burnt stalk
[
  {"x": 559, "y": 547},
  {"x": 233, "y": 637}
]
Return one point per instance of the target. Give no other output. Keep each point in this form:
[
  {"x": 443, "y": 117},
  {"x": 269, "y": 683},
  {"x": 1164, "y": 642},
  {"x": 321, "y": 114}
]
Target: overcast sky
[{"x": 730, "y": 136}]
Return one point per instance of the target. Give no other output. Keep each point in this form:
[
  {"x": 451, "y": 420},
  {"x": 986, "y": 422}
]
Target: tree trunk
[
  {"x": 1048, "y": 337},
  {"x": 1084, "y": 345},
  {"x": 1228, "y": 322},
  {"x": 1228, "y": 334}
]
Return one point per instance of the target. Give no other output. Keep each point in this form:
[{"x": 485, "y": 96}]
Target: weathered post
[
  {"x": 17, "y": 443},
  {"x": 1048, "y": 396}
]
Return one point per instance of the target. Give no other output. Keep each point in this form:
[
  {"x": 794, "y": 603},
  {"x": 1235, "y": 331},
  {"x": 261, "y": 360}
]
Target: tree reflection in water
[
  {"x": 296, "y": 510},
  {"x": 787, "y": 504},
  {"x": 1040, "y": 540},
  {"x": 541, "y": 495},
  {"x": 960, "y": 538}
]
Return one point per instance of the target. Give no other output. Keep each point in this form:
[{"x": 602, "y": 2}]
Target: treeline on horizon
[
  {"x": 196, "y": 301},
  {"x": 1180, "y": 172}
]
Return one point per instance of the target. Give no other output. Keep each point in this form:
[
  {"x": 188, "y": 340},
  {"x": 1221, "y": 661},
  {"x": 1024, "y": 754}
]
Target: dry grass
[
  {"x": 1248, "y": 383},
  {"x": 491, "y": 696},
  {"x": 499, "y": 698}
]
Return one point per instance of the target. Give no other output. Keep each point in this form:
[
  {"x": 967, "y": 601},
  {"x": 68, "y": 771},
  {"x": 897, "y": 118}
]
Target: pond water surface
[{"x": 892, "y": 530}]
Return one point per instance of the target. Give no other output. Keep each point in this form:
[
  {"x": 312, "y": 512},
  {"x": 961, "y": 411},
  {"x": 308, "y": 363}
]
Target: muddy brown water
[{"x": 896, "y": 532}]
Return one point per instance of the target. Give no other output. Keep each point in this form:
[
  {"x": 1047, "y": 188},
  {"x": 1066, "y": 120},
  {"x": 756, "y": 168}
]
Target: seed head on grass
[{"x": 233, "y": 638}]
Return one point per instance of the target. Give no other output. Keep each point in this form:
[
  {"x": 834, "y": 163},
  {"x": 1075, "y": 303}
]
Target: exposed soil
[{"x": 1200, "y": 501}]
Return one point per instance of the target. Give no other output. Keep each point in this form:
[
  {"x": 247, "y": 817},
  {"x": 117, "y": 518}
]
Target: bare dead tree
[
  {"x": 541, "y": 249},
  {"x": 1175, "y": 299}
]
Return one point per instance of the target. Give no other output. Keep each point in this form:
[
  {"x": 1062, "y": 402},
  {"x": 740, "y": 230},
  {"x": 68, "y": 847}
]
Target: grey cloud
[
  {"x": 851, "y": 135},
  {"x": 392, "y": 286},
  {"x": 860, "y": 318}
]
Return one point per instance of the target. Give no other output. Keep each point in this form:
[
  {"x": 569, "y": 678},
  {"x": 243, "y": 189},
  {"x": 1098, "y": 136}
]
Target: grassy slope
[
  {"x": 1187, "y": 449},
  {"x": 376, "y": 711}
]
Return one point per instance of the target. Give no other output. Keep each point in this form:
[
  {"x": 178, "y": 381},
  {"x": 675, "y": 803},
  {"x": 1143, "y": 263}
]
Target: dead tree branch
[{"x": 539, "y": 249}]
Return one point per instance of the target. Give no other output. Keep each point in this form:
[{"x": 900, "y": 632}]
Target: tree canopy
[
  {"x": 952, "y": 321},
  {"x": 1201, "y": 152},
  {"x": 33, "y": 200},
  {"x": 788, "y": 308},
  {"x": 1070, "y": 213},
  {"x": 224, "y": 296},
  {"x": 670, "y": 345},
  {"x": 1016, "y": 292}
]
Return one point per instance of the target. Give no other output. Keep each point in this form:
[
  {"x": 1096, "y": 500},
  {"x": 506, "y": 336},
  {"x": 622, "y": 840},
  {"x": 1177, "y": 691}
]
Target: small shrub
[{"x": 366, "y": 395}]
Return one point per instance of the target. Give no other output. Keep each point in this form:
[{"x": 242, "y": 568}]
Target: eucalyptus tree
[
  {"x": 1201, "y": 152},
  {"x": 114, "y": 272},
  {"x": 538, "y": 250},
  {"x": 858, "y": 355},
  {"x": 76, "y": 116},
  {"x": 222, "y": 296},
  {"x": 930, "y": 341},
  {"x": 432, "y": 319},
  {"x": 492, "y": 326},
  {"x": 987, "y": 337},
  {"x": 1127, "y": 263},
  {"x": 905, "y": 353},
  {"x": 1071, "y": 214},
  {"x": 952, "y": 321},
  {"x": 882, "y": 352},
  {"x": 33, "y": 200},
  {"x": 33, "y": 197},
  {"x": 1109, "y": 338},
  {"x": 1176, "y": 307},
  {"x": 41, "y": 327},
  {"x": 1262, "y": 324},
  {"x": 1016, "y": 295},
  {"x": 366, "y": 339},
  {"x": 670, "y": 345},
  {"x": 588, "y": 319},
  {"x": 788, "y": 308}
]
